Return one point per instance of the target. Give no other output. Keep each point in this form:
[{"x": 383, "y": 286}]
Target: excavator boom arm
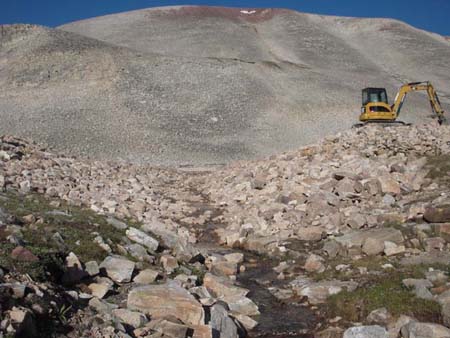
[{"x": 419, "y": 86}]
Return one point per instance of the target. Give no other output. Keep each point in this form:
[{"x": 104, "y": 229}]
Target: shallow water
[{"x": 278, "y": 318}]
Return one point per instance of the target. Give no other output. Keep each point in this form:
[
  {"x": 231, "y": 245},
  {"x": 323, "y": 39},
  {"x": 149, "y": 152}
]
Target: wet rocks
[{"x": 221, "y": 322}]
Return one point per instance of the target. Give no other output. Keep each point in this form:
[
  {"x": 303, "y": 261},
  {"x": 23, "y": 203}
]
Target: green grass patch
[
  {"x": 77, "y": 226},
  {"x": 388, "y": 292},
  {"x": 371, "y": 263}
]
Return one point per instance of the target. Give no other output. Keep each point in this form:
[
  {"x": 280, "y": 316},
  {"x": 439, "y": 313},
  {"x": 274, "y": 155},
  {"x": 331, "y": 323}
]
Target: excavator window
[{"x": 374, "y": 95}]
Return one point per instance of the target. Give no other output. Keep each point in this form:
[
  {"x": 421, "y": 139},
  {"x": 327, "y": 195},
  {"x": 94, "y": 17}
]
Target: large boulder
[{"x": 164, "y": 300}]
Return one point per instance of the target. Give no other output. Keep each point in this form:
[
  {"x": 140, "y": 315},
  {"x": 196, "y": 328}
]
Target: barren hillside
[{"x": 201, "y": 85}]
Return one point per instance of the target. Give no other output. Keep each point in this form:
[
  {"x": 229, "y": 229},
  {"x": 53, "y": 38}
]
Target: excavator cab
[
  {"x": 374, "y": 95},
  {"x": 375, "y": 105}
]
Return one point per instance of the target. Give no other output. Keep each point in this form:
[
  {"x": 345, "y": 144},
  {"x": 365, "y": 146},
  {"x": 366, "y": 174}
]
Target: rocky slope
[
  {"x": 201, "y": 85},
  {"x": 347, "y": 237}
]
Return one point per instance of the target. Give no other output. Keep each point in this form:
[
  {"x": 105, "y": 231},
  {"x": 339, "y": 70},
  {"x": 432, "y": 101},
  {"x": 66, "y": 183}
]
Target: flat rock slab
[
  {"x": 427, "y": 258},
  {"x": 318, "y": 292},
  {"x": 357, "y": 238},
  {"x": 164, "y": 300}
]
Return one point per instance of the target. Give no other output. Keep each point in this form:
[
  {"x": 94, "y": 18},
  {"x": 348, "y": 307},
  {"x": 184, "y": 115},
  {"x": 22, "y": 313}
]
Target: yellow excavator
[{"x": 376, "y": 108}]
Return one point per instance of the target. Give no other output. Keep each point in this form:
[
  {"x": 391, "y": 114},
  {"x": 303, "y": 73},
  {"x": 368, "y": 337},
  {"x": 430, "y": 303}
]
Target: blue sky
[{"x": 432, "y": 15}]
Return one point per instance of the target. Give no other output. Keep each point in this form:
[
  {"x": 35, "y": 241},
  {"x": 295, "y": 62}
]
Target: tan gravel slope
[{"x": 201, "y": 85}]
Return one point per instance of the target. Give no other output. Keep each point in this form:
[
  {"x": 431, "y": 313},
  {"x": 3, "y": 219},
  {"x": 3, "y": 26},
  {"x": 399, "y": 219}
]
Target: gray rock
[
  {"x": 373, "y": 246},
  {"x": 23, "y": 322},
  {"x": 389, "y": 185},
  {"x": 98, "y": 290},
  {"x": 333, "y": 248},
  {"x": 445, "y": 312},
  {"x": 102, "y": 306},
  {"x": 168, "y": 328},
  {"x": 141, "y": 237},
  {"x": 246, "y": 321},
  {"x": 74, "y": 270},
  {"x": 439, "y": 214},
  {"x": 318, "y": 292},
  {"x": 437, "y": 277},
  {"x": 417, "y": 283},
  {"x": 221, "y": 322},
  {"x": 356, "y": 239},
  {"x": 391, "y": 249},
  {"x": 132, "y": 318},
  {"x": 92, "y": 268},
  {"x": 17, "y": 289},
  {"x": 118, "y": 268},
  {"x": 116, "y": 223},
  {"x": 242, "y": 305},
  {"x": 146, "y": 276},
  {"x": 388, "y": 200},
  {"x": 138, "y": 252},
  {"x": 314, "y": 263},
  {"x": 221, "y": 287},
  {"x": 310, "y": 233},
  {"x": 374, "y": 331},
  {"x": 379, "y": 316},
  {"x": 424, "y": 330}
]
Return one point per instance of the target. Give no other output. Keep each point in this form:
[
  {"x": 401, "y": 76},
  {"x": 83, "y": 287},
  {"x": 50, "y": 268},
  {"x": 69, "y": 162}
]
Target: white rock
[
  {"x": 374, "y": 331},
  {"x": 141, "y": 237}
]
